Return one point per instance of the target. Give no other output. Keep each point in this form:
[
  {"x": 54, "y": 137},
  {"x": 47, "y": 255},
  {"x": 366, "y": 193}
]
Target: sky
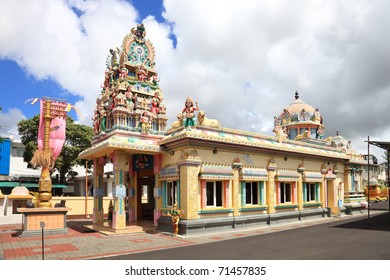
[{"x": 241, "y": 60}]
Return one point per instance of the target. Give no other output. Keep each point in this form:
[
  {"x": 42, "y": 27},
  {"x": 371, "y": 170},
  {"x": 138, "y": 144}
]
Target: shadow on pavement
[
  {"x": 376, "y": 222},
  {"x": 79, "y": 226}
]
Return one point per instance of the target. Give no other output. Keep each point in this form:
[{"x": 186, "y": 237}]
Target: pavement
[{"x": 83, "y": 243}]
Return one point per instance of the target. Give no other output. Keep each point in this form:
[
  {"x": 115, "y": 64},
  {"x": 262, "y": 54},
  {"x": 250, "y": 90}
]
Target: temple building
[{"x": 221, "y": 178}]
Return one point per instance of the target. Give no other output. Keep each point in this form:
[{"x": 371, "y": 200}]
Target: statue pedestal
[{"x": 54, "y": 219}]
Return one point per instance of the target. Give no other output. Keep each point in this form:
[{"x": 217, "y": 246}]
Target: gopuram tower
[
  {"x": 129, "y": 120},
  {"x": 131, "y": 98}
]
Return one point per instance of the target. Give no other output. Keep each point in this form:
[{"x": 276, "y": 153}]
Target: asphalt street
[{"x": 361, "y": 238}]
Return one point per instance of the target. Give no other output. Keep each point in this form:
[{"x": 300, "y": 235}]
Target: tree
[{"x": 78, "y": 138}]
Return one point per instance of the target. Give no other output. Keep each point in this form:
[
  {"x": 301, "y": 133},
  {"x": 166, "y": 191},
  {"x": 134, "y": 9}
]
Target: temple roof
[
  {"x": 231, "y": 137},
  {"x": 123, "y": 140}
]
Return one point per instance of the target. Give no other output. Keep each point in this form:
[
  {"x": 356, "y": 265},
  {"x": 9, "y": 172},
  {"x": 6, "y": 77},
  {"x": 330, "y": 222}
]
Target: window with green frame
[
  {"x": 170, "y": 193},
  {"x": 311, "y": 192},
  {"x": 252, "y": 192}
]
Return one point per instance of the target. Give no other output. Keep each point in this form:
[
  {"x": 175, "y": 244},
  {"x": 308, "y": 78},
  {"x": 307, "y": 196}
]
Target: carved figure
[
  {"x": 175, "y": 213},
  {"x": 120, "y": 99},
  {"x": 96, "y": 122},
  {"x": 154, "y": 79},
  {"x": 123, "y": 73},
  {"x": 106, "y": 79},
  {"x": 276, "y": 121},
  {"x": 320, "y": 132},
  {"x": 139, "y": 33},
  {"x": 203, "y": 120},
  {"x": 113, "y": 59},
  {"x": 130, "y": 99},
  {"x": 304, "y": 135},
  {"x": 316, "y": 116},
  {"x": 280, "y": 134},
  {"x": 144, "y": 120},
  {"x": 286, "y": 117},
  {"x": 156, "y": 104},
  {"x": 142, "y": 73},
  {"x": 329, "y": 139},
  {"x": 178, "y": 123},
  {"x": 189, "y": 112}
]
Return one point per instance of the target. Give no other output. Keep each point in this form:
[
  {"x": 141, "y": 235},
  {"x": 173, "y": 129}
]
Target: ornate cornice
[{"x": 246, "y": 139}]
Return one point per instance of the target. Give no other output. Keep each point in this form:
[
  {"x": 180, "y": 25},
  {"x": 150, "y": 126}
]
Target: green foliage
[{"x": 78, "y": 138}]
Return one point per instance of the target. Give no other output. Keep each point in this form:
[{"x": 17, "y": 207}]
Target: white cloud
[
  {"x": 9, "y": 122},
  {"x": 242, "y": 60}
]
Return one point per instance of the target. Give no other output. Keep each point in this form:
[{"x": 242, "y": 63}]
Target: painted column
[
  {"x": 271, "y": 193},
  {"x": 236, "y": 188},
  {"x": 131, "y": 189},
  {"x": 348, "y": 179},
  {"x": 119, "y": 190},
  {"x": 300, "y": 191},
  {"x": 132, "y": 196},
  {"x": 157, "y": 188},
  {"x": 189, "y": 189},
  {"x": 322, "y": 192},
  {"x": 98, "y": 191},
  {"x": 157, "y": 197}
]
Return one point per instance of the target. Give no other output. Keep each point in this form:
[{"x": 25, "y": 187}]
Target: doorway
[{"x": 145, "y": 196}]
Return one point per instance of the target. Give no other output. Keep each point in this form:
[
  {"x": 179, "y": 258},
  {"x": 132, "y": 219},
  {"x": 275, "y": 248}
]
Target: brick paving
[{"x": 83, "y": 243}]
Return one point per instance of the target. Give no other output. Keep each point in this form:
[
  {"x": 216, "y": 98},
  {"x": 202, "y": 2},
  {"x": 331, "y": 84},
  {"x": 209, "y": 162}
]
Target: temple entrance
[{"x": 145, "y": 196}]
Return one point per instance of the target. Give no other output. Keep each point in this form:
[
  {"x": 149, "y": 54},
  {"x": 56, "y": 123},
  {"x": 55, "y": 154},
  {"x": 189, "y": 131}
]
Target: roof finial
[
  {"x": 337, "y": 133},
  {"x": 296, "y": 95}
]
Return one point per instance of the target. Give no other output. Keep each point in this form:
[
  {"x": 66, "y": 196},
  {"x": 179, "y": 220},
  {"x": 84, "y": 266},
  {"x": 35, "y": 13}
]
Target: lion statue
[
  {"x": 304, "y": 135},
  {"x": 203, "y": 120},
  {"x": 178, "y": 123}
]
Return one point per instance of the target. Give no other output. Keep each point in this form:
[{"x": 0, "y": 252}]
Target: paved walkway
[{"x": 83, "y": 243}]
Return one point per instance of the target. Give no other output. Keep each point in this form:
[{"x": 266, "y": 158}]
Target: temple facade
[{"x": 221, "y": 178}]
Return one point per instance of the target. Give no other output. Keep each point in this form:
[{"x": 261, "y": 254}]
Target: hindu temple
[{"x": 220, "y": 178}]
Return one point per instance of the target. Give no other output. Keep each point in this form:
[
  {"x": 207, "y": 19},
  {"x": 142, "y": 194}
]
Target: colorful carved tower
[
  {"x": 300, "y": 121},
  {"x": 131, "y": 98}
]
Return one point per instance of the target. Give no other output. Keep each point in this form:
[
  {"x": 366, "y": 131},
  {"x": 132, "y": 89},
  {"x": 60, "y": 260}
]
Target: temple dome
[
  {"x": 299, "y": 121},
  {"x": 298, "y": 105}
]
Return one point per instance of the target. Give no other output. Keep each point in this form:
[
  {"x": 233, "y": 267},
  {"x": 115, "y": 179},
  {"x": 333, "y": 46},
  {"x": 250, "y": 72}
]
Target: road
[{"x": 357, "y": 238}]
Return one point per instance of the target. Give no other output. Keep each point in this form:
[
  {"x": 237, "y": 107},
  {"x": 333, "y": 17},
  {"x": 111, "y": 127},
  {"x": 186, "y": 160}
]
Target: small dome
[
  {"x": 340, "y": 142},
  {"x": 298, "y": 105},
  {"x": 300, "y": 121},
  {"x": 299, "y": 111}
]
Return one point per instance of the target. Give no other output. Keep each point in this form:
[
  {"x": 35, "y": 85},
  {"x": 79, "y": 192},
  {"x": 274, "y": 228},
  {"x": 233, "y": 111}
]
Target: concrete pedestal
[{"x": 54, "y": 219}]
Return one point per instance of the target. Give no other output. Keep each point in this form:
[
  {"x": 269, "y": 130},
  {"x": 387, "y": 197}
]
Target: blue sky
[
  {"x": 241, "y": 60},
  {"x": 19, "y": 85}
]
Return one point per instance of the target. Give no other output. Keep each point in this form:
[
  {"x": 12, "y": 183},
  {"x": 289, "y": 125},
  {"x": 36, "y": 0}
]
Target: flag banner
[{"x": 57, "y": 127}]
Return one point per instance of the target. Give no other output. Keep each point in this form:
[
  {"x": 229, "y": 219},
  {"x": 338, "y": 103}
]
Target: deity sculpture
[
  {"x": 189, "y": 112},
  {"x": 139, "y": 33},
  {"x": 286, "y": 118},
  {"x": 142, "y": 73},
  {"x": 156, "y": 104},
  {"x": 144, "y": 120},
  {"x": 316, "y": 116},
  {"x": 175, "y": 214}
]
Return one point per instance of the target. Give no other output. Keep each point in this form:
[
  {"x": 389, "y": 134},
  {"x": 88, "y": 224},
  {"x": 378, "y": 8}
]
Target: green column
[
  {"x": 119, "y": 190},
  {"x": 98, "y": 192}
]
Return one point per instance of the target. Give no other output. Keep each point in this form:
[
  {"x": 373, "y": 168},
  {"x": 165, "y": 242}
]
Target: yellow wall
[{"x": 77, "y": 204}]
